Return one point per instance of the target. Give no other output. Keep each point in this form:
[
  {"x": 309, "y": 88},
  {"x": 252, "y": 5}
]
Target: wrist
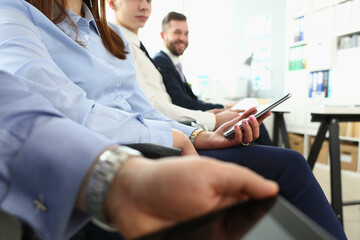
[
  {"x": 194, "y": 135},
  {"x": 109, "y": 163},
  {"x": 81, "y": 199}
]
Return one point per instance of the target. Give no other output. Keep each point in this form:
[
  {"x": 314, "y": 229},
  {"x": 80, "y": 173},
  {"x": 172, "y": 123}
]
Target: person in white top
[{"x": 132, "y": 15}]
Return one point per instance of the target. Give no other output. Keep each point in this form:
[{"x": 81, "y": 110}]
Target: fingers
[
  {"x": 216, "y": 110},
  {"x": 242, "y": 182},
  {"x": 238, "y": 110},
  {"x": 238, "y": 133},
  {"x": 258, "y": 187},
  {"x": 250, "y": 111},
  {"x": 229, "y": 124},
  {"x": 254, "y": 127},
  {"x": 250, "y": 131},
  {"x": 262, "y": 118}
]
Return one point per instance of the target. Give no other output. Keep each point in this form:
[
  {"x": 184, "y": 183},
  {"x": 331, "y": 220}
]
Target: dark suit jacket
[{"x": 180, "y": 93}]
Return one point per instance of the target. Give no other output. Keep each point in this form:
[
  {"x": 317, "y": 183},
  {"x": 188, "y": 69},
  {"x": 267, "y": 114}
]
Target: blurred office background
[{"x": 222, "y": 36}]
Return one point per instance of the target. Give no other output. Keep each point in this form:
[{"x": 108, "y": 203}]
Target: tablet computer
[{"x": 270, "y": 219}]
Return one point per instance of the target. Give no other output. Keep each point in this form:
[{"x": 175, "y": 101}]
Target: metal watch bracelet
[
  {"x": 103, "y": 174},
  {"x": 194, "y": 135}
]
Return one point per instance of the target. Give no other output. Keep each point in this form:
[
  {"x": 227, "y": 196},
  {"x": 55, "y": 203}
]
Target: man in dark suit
[{"x": 175, "y": 36}]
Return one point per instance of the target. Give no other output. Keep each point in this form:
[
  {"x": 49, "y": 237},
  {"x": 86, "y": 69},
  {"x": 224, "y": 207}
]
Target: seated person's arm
[
  {"x": 45, "y": 158},
  {"x": 146, "y": 196},
  {"x": 61, "y": 158}
]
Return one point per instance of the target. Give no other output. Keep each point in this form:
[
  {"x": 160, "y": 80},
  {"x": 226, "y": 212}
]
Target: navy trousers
[
  {"x": 264, "y": 137},
  {"x": 289, "y": 169}
]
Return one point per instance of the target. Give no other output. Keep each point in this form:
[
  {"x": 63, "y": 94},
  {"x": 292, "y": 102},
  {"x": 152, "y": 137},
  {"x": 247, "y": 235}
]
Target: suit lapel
[{"x": 186, "y": 87}]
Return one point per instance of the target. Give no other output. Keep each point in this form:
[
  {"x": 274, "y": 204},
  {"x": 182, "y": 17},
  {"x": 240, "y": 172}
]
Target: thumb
[{"x": 229, "y": 124}]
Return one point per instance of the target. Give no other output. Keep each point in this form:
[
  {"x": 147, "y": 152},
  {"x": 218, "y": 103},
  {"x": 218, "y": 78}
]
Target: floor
[{"x": 351, "y": 191}]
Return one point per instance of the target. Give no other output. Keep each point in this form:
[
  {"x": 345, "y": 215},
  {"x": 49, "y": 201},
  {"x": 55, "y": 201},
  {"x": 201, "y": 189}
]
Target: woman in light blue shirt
[{"x": 85, "y": 69}]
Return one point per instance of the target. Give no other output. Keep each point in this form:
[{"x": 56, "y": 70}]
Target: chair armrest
[
  {"x": 155, "y": 151},
  {"x": 188, "y": 123}
]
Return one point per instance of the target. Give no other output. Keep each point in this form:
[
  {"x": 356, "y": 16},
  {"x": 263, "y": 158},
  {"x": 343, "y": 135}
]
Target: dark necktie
[{"x": 142, "y": 47}]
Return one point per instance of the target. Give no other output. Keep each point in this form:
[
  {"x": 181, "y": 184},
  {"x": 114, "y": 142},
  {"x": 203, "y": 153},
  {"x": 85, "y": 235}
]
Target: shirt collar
[
  {"x": 88, "y": 17},
  {"x": 173, "y": 58},
  {"x": 130, "y": 36}
]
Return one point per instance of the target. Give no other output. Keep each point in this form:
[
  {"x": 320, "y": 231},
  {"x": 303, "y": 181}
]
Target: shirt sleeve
[{"x": 44, "y": 159}]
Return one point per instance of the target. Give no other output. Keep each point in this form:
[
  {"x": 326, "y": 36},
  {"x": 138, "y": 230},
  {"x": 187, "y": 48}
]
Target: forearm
[
  {"x": 181, "y": 114},
  {"x": 182, "y": 142}
]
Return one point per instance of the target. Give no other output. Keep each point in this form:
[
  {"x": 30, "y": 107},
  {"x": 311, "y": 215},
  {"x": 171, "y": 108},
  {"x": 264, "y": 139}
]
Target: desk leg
[
  {"x": 279, "y": 125},
  {"x": 284, "y": 133},
  {"x": 335, "y": 170},
  {"x": 276, "y": 139},
  {"x": 315, "y": 148}
]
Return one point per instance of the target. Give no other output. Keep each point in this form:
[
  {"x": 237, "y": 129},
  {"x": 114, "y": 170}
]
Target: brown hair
[
  {"x": 55, "y": 10},
  {"x": 171, "y": 16}
]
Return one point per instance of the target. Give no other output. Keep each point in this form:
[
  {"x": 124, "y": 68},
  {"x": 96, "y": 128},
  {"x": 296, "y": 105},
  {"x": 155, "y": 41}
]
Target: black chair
[
  {"x": 155, "y": 151},
  {"x": 10, "y": 227}
]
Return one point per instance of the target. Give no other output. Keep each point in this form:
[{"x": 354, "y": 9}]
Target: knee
[{"x": 296, "y": 160}]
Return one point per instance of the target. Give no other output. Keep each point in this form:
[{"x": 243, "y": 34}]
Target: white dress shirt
[{"x": 152, "y": 84}]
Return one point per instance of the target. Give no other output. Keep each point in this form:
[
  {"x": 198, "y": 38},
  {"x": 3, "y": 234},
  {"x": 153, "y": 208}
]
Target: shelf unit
[{"x": 328, "y": 31}]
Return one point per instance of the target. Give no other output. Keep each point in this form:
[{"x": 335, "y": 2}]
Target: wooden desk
[{"x": 329, "y": 118}]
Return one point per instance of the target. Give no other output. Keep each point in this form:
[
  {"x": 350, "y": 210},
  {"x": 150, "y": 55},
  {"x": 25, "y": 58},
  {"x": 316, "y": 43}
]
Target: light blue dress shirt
[
  {"x": 44, "y": 158},
  {"x": 106, "y": 96}
]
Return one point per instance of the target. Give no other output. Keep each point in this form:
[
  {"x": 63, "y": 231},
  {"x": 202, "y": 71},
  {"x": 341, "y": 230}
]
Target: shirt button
[
  {"x": 87, "y": 37},
  {"x": 119, "y": 82},
  {"x": 122, "y": 101}
]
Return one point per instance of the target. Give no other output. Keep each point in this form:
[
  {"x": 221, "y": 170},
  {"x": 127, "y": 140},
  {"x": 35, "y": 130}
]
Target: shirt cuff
[
  {"x": 208, "y": 119},
  {"x": 47, "y": 175}
]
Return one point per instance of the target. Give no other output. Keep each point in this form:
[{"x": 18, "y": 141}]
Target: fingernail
[
  {"x": 245, "y": 123},
  {"x": 253, "y": 118}
]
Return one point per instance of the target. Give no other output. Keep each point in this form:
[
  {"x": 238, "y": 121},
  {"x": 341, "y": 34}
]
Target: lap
[{"x": 270, "y": 162}]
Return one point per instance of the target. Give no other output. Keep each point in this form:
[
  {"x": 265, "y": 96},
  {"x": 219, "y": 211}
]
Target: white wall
[
  {"x": 210, "y": 55},
  {"x": 277, "y": 10}
]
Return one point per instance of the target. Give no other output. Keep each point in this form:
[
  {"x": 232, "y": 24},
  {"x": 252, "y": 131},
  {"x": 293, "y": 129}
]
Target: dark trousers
[
  {"x": 264, "y": 137},
  {"x": 290, "y": 170}
]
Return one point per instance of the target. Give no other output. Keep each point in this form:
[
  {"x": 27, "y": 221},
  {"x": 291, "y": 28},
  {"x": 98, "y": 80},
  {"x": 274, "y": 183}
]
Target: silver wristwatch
[{"x": 103, "y": 174}]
